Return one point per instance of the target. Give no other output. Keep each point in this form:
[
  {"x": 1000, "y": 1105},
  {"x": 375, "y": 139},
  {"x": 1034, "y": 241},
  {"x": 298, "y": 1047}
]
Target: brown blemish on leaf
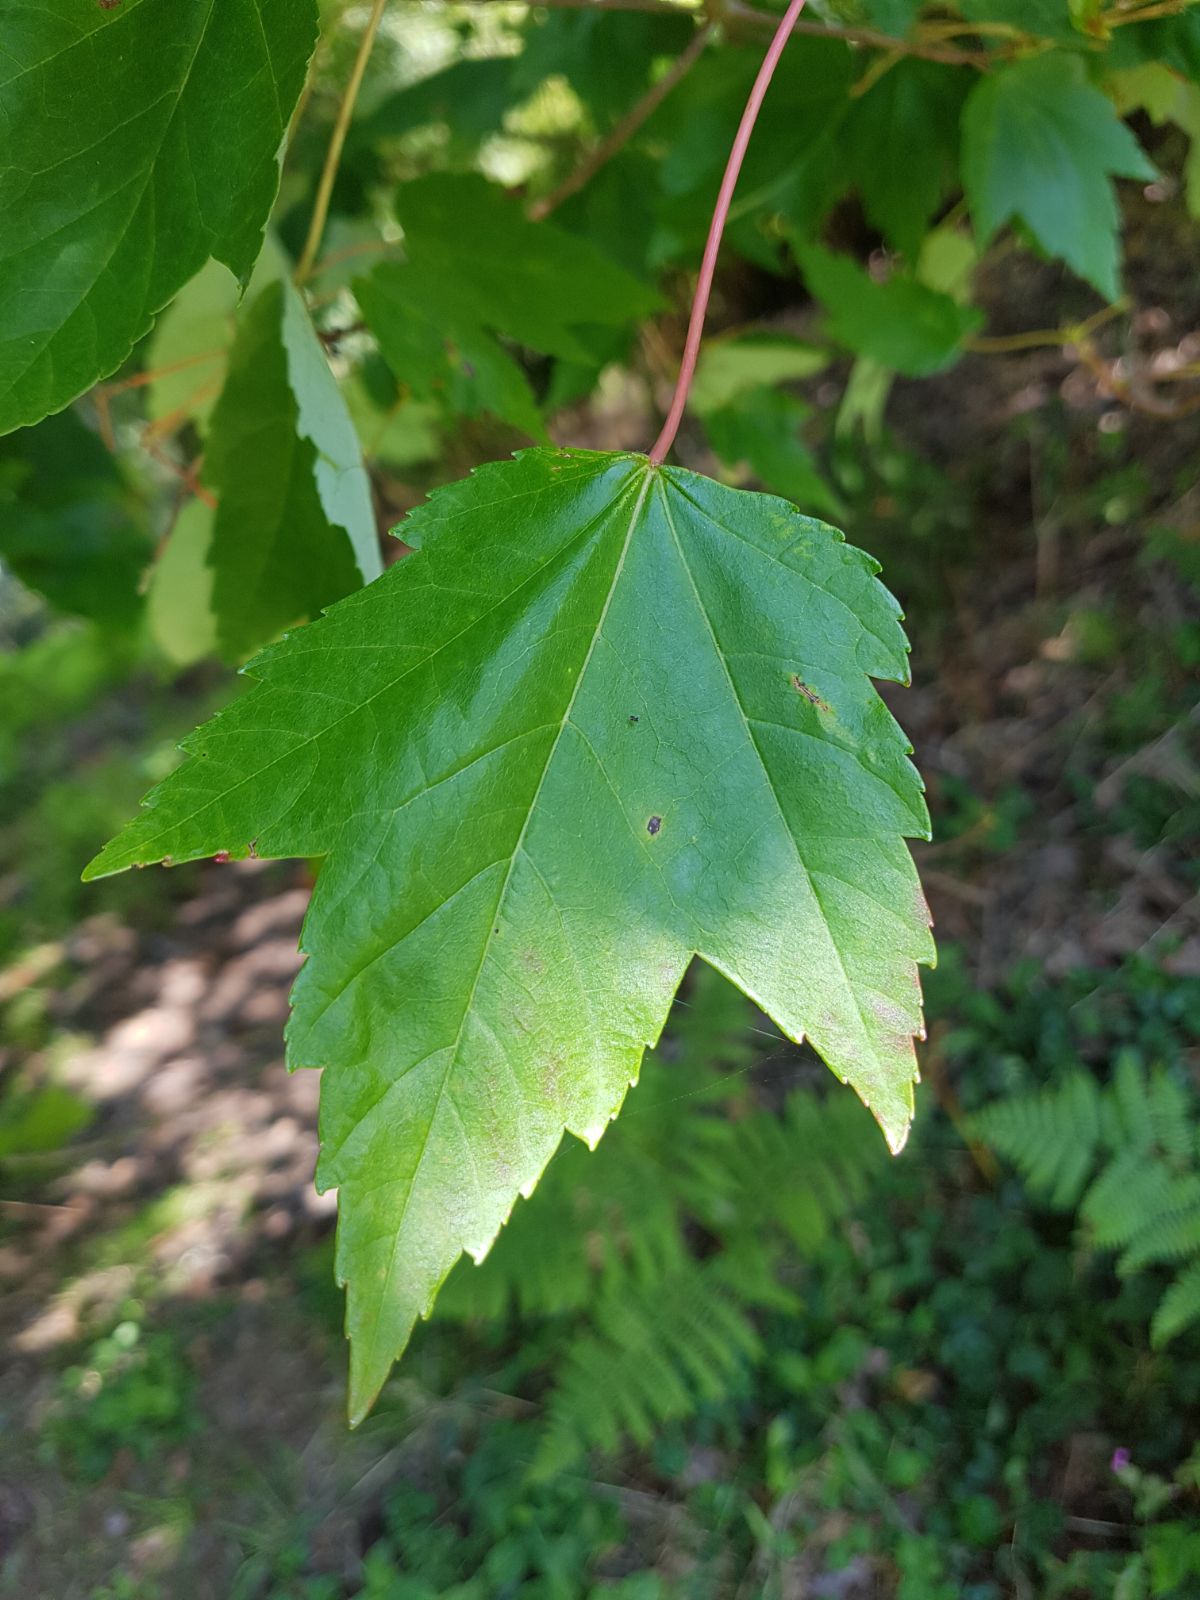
[
  {"x": 551, "y": 1075},
  {"x": 811, "y": 695}
]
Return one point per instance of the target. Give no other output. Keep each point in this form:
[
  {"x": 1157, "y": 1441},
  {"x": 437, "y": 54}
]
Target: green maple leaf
[
  {"x": 70, "y": 527},
  {"x": 294, "y": 527},
  {"x": 609, "y": 716},
  {"x": 902, "y": 323},
  {"x": 138, "y": 141},
  {"x": 477, "y": 268},
  {"x": 1041, "y": 146},
  {"x": 762, "y": 428},
  {"x": 901, "y": 147}
]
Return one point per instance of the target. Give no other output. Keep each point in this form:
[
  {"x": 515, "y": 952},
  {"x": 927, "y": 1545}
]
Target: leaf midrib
[{"x": 650, "y": 476}]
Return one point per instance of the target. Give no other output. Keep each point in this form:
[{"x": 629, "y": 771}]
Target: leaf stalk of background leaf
[
  {"x": 708, "y": 264},
  {"x": 602, "y": 153},
  {"x": 316, "y": 227}
]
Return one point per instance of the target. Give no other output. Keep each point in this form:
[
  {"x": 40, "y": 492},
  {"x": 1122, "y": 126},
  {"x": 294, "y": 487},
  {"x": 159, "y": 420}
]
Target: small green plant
[
  {"x": 133, "y": 1391},
  {"x": 483, "y": 1533},
  {"x": 1124, "y": 1156}
]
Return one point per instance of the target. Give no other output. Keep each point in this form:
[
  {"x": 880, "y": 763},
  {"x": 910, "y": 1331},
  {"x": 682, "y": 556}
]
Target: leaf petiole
[{"x": 708, "y": 264}]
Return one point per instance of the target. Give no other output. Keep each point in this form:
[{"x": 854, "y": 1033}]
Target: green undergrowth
[
  {"x": 932, "y": 1377},
  {"x": 737, "y": 1350},
  {"x": 87, "y": 719}
]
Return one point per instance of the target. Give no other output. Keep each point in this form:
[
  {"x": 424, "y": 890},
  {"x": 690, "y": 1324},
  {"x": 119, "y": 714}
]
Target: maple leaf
[
  {"x": 294, "y": 528},
  {"x": 1041, "y": 145},
  {"x": 902, "y": 323},
  {"x": 139, "y": 142},
  {"x": 609, "y": 716},
  {"x": 436, "y": 314}
]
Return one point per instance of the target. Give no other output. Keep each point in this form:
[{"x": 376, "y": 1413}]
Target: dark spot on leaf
[
  {"x": 108, "y": 5},
  {"x": 633, "y": 719},
  {"x": 813, "y": 698},
  {"x": 653, "y": 826},
  {"x": 222, "y": 856}
]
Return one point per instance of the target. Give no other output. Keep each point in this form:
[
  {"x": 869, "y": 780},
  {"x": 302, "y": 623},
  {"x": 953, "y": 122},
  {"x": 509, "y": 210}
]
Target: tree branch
[
  {"x": 607, "y": 148},
  {"x": 734, "y": 14},
  {"x": 928, "y": 50},
  {"x": 316, "y": 227}
]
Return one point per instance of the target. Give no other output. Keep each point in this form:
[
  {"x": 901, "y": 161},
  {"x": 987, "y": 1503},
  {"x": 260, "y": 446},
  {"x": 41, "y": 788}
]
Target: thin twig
[
  {"x": 1133, "y": 391},
  {"x": 1038, "y": 338},
  {"x": 1165, "y": 8},
  {"x": 602, "y": 153},
  {"x": 871, "y": 38},
  {"x": 139, "y": 380},
  {"x": 879, "y": 68},
  {"x": 365, "y": 247},
  {"x": 316, "y": 227},
  {"x": 734, "y": 14},
  {"x": 708, "y": 265}
]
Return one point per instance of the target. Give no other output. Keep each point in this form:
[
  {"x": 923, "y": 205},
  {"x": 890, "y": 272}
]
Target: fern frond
[
  {"x": 1172, "y": 1117},
  {"x": 1129, "y": 1194},
  {"x": 1170, "y": 1235},
  {"x": 748, "y": 1266},
  {"x": 654, "y": 1355},
  {"x": 1178, "y": 1308},
  {"x": 1131, "y": 1125},
  {"x": 797, "y": 1171},
  {"x": 1051, "y": 1136},
  {"x": 594, "y": 1215}
]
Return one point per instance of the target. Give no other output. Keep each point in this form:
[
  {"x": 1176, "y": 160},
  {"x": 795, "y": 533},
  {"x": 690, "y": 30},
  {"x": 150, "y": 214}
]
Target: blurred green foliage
[
  {"x": 132, "y": 1392},
  {"x": 936, "y": 1364}
]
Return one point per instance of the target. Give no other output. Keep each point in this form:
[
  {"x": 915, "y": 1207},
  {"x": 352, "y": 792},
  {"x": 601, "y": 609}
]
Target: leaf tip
[
  {"x": 897, "y": 1136},
  {"x": 101, "y": 865}
]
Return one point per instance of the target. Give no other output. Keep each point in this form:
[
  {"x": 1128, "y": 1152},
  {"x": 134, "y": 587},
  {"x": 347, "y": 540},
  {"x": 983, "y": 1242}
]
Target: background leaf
[
  {"x": 1040, "y": 145},
  {"x": 759, "y": 432},
  {"x": 162, "y": 150},
  {"x": 179, "y": 601},
  {"x": 477, "y": 268},
  {"x": 294, "y": 527},
  {"x": 901, "y": 147},
  {"x": 901, "y": 323},
  {"x": 190, "y": 344},
  {"x": 70, "y": 525}
]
